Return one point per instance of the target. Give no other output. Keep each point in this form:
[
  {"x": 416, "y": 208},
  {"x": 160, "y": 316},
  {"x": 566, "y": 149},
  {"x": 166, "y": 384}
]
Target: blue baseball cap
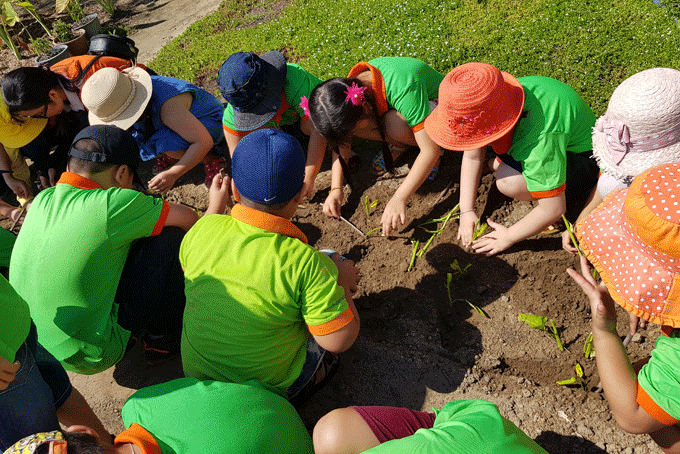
[
  {"x": 268, "y": 167},
  {"x": 253, "y": 85}
]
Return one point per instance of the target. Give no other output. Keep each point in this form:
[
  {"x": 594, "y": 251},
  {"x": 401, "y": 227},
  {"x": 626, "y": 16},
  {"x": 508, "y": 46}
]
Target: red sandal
[
  {"x": 162, "y": 163},
  {"x": 212, "y": 168}
]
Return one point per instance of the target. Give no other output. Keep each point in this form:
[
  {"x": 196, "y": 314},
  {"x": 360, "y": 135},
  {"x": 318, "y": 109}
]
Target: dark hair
[
  {"x": 29, "y": 87},
  {"x": 335, "y": 118},
  {"x": 78, "y": 165},
  {"x": 77, "y": 443}
]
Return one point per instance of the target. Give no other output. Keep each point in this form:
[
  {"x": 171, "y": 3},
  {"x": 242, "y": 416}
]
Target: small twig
[
  {"x": 351, "y": 225},
  {"x": 441, "y": 194},
  {"x": 21, "y": 214}
]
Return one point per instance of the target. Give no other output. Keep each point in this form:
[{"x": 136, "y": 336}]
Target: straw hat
[
  {"x": 116, "y": 97},
  {"x": 633, "y": 240},
  {"x": 478, "y": 104},
  {"x": 641, "y": 127}
]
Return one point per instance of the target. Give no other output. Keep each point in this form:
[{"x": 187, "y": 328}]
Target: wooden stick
[
  {"x": 21, "y": 213},
  {"x": 350, "y": 224}
]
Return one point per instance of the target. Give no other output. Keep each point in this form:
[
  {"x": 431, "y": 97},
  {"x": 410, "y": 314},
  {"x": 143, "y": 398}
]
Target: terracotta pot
[
  {"x": 57, "y": 53},
  {"x": 90, "y": 24},
  {"x": 77, "y": 46}
]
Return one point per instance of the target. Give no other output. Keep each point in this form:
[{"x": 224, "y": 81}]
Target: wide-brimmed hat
[
  {"x": 268, "y": 166},
  {"x": 641, "y": 127},
  {"x": 633, "y": 240},
  {"x": 253, "y": 85},
  {"x": 478, "y": 104},
  {"x": 116, "y": 97}
]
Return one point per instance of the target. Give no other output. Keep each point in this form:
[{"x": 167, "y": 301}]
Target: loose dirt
[{"x": 416, "y": 349}]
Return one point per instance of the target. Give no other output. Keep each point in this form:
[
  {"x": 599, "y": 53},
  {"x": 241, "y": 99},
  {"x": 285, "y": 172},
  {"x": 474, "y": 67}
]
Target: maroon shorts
[{"x": 390, "y": 423}]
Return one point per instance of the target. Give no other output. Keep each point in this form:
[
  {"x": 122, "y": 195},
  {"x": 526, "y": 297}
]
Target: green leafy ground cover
[{"x": 592, "y": 45}]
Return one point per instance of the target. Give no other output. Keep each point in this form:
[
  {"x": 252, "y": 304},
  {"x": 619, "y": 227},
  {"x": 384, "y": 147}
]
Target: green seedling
[
  {"x": 570, "y": 229},
  {"x": 424, "y": 248},
  {"x": 578, "y": 379},
  {"x": 452, "y": 302},
  {"x": 540, "y": 323},
  {"x": 445, "y": 219},
  {"x": 368, "y": 205},
  {"x": 479, "y": 230},
  {"x": 588, "y": 347},
  {"x": 413, "y": 256},
  {"x": 373, "y": 230},
  {"x": 458, "y": 270}
]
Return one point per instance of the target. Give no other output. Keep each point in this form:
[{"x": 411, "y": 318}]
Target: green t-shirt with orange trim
[
  {"x": 556, "y": 121},
  {"x": 659, "y": 381},
  {"x": 464, "y": 427},
  {"x": 404, "y": 84},
  {"x": 299, "y": 83},
  {"x": 188, "y": 416},
  {"x": 67, "y": 262},
  {"x": 255, "y": 290},
  {"x": 15, "y": 321},
  {"x": 7, "y": 240}
]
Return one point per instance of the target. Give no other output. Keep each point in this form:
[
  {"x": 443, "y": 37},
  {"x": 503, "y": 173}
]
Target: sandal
[
  {"x": 162, "y": 163},
  {"x": 212, "y": 168},
  {"x": 378, "y": 166},
  {"x": 434, "y": 173},
  {"x": 327, "y": 368}
]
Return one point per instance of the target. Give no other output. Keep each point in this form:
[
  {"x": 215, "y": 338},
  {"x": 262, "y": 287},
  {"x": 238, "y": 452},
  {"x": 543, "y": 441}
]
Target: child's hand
[
  {"x": 7, "y": 372},
  {"x": 219, "y": 196},
  {"x": 164, "y": 181},
  {"x": 636, "y": 322},
  {"x": 466, "y": 227},
  {"x": 50, "y": 180},
  {"x": 348, "y": 274},
  {"x": 394, "y": 214},
  {"x": 18, "y": 187},
  {"x": 333, "y": 203},
  {"x": 602, "y": 305},
  {"x": 566, "y": 242},
  {"x": 494, "y": 242}
]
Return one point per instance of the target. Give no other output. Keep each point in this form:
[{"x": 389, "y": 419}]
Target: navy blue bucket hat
[{"x": 253, "y": 85}]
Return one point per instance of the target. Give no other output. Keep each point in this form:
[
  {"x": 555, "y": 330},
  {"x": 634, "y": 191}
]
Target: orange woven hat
[
  {"x": 478, "y": 104},
  {"x": 633, "y": 240}
]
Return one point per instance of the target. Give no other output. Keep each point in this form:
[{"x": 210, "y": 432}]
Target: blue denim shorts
[
  {"x": 313, "y": 360},
  {"x": 27, "y": 405}
]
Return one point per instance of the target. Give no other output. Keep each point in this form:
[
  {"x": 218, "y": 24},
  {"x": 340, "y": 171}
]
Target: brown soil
[{"x": 415, "y": 348}]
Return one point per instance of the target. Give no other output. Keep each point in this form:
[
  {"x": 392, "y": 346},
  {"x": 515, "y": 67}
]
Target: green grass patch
[{"x": 591, "y": 45}]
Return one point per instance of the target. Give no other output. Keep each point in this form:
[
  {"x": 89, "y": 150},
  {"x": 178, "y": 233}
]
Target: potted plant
[
  {"x": 75, "y": 40},
  {"x": 90, "y": 24},
  {"x": 57, "y": 53}
]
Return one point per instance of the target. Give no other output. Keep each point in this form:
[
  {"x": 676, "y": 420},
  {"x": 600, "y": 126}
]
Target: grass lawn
[{"x": 592, "y": 45}]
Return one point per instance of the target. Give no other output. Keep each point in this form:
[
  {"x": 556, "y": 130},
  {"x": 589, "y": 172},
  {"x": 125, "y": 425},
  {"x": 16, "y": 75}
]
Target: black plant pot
[
  {"x": 57, "y": 53},
  {"x": 90, "y": 24},
  {"x": 114, "y": 46}
]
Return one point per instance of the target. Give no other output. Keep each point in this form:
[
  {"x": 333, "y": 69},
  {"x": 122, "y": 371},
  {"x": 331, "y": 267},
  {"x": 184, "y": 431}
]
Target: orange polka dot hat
[{"x": 633, "y": 240}]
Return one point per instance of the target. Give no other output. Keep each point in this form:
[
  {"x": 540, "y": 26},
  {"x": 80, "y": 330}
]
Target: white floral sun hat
[{"x": 641, "y": 127}]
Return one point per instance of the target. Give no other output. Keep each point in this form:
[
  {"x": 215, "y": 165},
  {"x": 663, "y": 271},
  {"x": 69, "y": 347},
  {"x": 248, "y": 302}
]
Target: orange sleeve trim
[
  {"x": 653, "y": 408},
  {"x": 334, "y": 325},
  {"x": 233, "y": 132},
  {"x": 418, "y": 127},
  {"x": 141, "y": 437},
  {"x": 158, "y": 228},
  {"x": 551, "y": 193},
  {"x": 378, "y": 84}
]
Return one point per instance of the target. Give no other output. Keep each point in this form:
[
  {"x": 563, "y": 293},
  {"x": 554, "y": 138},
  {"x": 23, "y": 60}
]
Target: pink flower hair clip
[
  {"x": 304, "y": 105},
  {"x": 355, "y": 94}
]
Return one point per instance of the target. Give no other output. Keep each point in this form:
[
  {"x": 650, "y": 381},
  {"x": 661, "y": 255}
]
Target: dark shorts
[
  {"x": 582, "y": 174},
  {"x": 391, "y": 423}
]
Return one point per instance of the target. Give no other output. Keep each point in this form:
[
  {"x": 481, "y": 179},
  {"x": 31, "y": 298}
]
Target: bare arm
[
  {"x": 395, "y": 211},
  {"x": 470, "y": 176},
  {"x": 232, "y": 141},
  {"x": 175, "y": 115},
  {"x": 19, "y": 188},
  {"x": 315, "y": 154},
  {"x": 548, "y": 210},
  {"x": 181, "y": 216},
  {"x": 333, "y": 203},
  {"x": 618, "y": 377}
]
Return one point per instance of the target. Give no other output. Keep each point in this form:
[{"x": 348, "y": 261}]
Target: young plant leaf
[
  {"x": 479, "y": 230},
  {"x": 556, "y": 335},
  {"x": 579, "y": 370},
  {"x": 588, "y": 346},
  {"x": 458, "y": 270},
  {"x": 424, "y": 248},
  {"x": 413, "y": 256},
  {"x": 534, "y": 321},
  {"x": 569, "y": 381},
  {"x": 373, "y": 230}
]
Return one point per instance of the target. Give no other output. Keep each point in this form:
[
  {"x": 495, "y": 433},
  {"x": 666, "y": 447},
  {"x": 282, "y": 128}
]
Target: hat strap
[
  {"x": 619, "y": 141},
  {"x": 125, "y": 105}
]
